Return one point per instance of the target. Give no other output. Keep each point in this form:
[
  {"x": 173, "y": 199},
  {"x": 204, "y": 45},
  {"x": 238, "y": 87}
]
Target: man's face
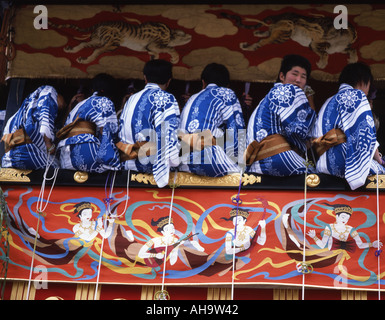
[{"x": 296, "y": 76}]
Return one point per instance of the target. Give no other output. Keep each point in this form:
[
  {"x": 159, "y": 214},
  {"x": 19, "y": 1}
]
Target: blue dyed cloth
[
  {"x": 37, "y": 116},
  {"x": 88, "y": 152},
  {"x": 349, "y": 110},
  {"x": 285, "y": 110},
  {"x": 216, "y": 109},
  {"x": 152, "y": 115}
]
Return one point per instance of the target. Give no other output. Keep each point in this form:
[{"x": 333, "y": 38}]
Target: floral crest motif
[
  {"x": 302, "y": 115},
  {"x": 193, "y": 125},
  {"x": 282, "y": 95},
  {"x": 349, "y": 100},
  {"x": 103, "y": 105},
  {"x": 160, "y": 98},
  {"x": 261, "y": 134},
  {"x": 226, "y": 94}
]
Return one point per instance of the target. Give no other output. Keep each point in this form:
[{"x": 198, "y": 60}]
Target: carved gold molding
[
  {"x": 14, "y": 175},
  {"x": 373, "y": 182},
  {"x": 190, "y": 179},
  {"x": 143, "y": 178}
]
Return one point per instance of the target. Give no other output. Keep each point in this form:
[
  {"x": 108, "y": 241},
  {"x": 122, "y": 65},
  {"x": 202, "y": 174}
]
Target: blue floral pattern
[
  {"x": 286, "y": 111},
  {"x": 216, "y": 109},
  {"x": 37, "y": 116},
  {"x": 349, "y": 110},
  {"x": 88, "y": 152}
]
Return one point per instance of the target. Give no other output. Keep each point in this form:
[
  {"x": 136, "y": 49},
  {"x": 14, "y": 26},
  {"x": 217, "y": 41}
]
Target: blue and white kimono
[
  {"x": 216, "y": 109},
  {"x": 152, "y": 115},
  {"x": 285, "y": 110},
  {"x": 349, "y": 110},
  {"x": 37, "y": 116},
  {"x": 88, "y": 152}
]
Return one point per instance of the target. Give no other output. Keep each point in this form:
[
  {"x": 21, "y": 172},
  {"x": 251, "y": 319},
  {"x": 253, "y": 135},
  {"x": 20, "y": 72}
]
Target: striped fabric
[
  {"x": 37, "y": 115},
  {"x": 88, "y": 152},
  {"x": 216, "y": 109},
  {"x": 152, "y": 115},
  {"x": 285, "y": 110},
  {"x": 349, "y": 110}
]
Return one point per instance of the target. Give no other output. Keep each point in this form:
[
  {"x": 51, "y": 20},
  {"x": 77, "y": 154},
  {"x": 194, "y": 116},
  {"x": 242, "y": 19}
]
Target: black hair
[
  {"x": 356, "y": 73},
  {"x": 336, "y": 206},
  {"x": 158, "y": 71},
  {"x": 231, "y": 218},
  {"x": 103, "y": 84},
  {"x": 155, "y": 223},
  {"x": 216, "y": 73},
  {"x": 81, "y": 204},
  {"x": 294, "y": 60}
]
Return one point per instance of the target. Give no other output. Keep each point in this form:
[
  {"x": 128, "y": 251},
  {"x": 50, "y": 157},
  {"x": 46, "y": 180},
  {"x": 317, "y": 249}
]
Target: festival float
[{"x": 70, "y": 235}]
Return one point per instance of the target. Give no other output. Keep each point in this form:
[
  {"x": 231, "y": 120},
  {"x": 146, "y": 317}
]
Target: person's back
[
  {"x": 214, "y": 114},
  {"x": 279, "y": 128},
  {"x": 148, "y": 125},
  {"x": 30, "y": 133},
  {"x": 87, "y": 140},
  {"x": 345, "y": 135}
]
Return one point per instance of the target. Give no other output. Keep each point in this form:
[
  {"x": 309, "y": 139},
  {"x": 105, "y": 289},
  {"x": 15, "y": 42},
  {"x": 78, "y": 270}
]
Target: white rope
[
  {"x": 304, "y": 230},
  {"x": 169, "y": 222},
  {"x": 39, "y": 210},
  {"x": 234, "y": 237},
  {"x": 232, "y": 278},
  {"x": 378, "y": 238},
  {"x": 108, "y": 212},
  {"x": 100, "y": 261},
  {"x": 127, "y": 195}
]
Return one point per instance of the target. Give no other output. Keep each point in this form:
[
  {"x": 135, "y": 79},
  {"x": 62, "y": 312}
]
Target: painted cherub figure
[
  {"x": 336, "y": 235},
  {"x": 240, "y": 238},
  {"x": 88, "y": 229},
  {"x": 154, "y": 251}
]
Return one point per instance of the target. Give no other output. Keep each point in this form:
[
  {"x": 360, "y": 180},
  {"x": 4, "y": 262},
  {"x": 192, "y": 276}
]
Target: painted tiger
[
  {"x": 106, "y": 36},
  {"x": 317, "y": 33}
]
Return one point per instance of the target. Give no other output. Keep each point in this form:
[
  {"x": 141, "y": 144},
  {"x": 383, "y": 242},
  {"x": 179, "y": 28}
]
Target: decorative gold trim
[
  {"x": 14, "y": 175},
  {"x": 86, "y": 291},
  {"x": 218, "y": 293},
  {"x": 148, "y": 292},
  {"x": 20, "y": 291},
  {"x": 313, "y": 180},
  {"x": 250, "y": 179},
  {"x": 285, "y": 294},
  {"x": 80, "y": 176},
  {"x": 373, "y": 182},
  {"x": 143, "y": 178},
  {"x": 190, "y": 179},
  {"x": 354, "y": 295}
]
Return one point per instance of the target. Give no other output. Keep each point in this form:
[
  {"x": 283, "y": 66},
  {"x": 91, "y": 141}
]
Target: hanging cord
[
  {"x": 304, "y": 269},
  {"x": 107, "y": 201},
  {"x": 40, "y": 211},
  {"x": 163, "y": 294},
  {"x": 127, "y": 195},
  {"x": 237, "y": 200},
  {"x": 378, "y": 251}
]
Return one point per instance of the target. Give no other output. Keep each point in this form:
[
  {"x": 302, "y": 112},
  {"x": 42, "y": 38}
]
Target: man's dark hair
[
  {"x": 294, "y": 60},
  {"x": 356, "y": 73},
  {"x": 216, "y": 73},
  {"x": 104, "y": 84},
  {"x": 158, "y": 71}
]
